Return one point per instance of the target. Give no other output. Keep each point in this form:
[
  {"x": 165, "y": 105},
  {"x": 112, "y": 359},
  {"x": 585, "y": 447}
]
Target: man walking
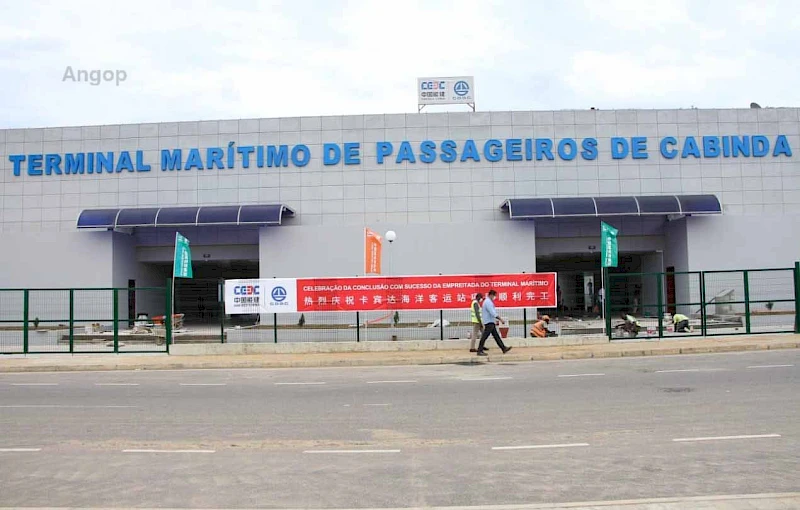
[
  {"x": 490, "y": 319},
  {"x": 475, "y": 318}
]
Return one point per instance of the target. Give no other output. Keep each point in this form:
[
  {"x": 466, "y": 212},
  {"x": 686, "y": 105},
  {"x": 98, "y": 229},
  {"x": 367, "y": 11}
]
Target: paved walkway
[
  {"x": 86, "y": 362},
  {"x": 787, "y": 501},
  {"x": 738, "y": 502}
]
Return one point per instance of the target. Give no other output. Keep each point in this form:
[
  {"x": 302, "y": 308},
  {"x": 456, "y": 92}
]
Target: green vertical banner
[
  {"x": 182, "y": 267},
  {"x": 608, "y": 240}
]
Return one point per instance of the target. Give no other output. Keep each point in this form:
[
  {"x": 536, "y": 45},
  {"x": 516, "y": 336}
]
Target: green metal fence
[
  {"x": 85, "y": 320},
  {"x": 731, "y": 302},
  {"x": 118, "y": 320}
]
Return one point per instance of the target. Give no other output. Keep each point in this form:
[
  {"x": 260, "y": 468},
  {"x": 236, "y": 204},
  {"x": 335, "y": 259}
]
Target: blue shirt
[{"x": 488, "y": 311}]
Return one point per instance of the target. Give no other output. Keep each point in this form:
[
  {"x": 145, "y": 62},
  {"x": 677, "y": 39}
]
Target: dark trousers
[
  {"x": 491, "y": 329},
  {"x": 682, "y": 327}
]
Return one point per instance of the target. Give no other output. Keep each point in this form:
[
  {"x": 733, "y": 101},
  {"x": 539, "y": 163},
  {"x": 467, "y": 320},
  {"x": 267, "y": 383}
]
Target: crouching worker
[
  {"x": 631, "y": 325},
  {"x": 539, "y": 328},
  {"x": 681, "y": 323}
]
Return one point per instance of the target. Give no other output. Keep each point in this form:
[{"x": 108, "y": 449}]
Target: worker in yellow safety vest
[
  {"x": 539, "y": 328},
  {"x": 475, "y": 318},
  {"x": 681, "y": 323}
]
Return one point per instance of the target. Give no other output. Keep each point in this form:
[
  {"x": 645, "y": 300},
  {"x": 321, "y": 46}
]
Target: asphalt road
[{"x": 501, "y": 433}]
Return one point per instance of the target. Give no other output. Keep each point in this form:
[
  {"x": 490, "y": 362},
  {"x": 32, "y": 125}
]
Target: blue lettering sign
[
  {"x": 666, "y": 151},
  {"x": 52, "y": 164},
  {"x": 513, "y": 149},
  {"x": 331, "y": 154},
  {"x": 406, "y": 153},
  {"x": 382, "y": 150},
  {"x": 639, "y": 147},
  {"x": 492, "y": 150},
  {"x": 124, "y": 162},
  {"x": 619, "y": 148},
  {"x": 589, "y": 146},
  {"x": 428, "y": 150},
  {"x": 351, "y": 153},
  {"x": 35, "y": 164}
]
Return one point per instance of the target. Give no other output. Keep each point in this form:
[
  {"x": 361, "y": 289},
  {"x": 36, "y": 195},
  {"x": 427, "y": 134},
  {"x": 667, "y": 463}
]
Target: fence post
[
  {"x": 703, "y": 303},
  {"x": 25, "y": 309},
  {"x": 660, "y": 310},
  {"x": 358, "y": 326},
  {"x": 441, "y": 325},
  {"x": 115, "y": 301},
  {"x": 607, "y": 302},
  {"x": 72, "y": 321},
  {"x": 221, "y": 302},
  {"x": 746, "y": 301},
  {"x": 168, "y": 315},
  {"x": 275, "y": 327},
  {"x": 797, "y": 297},
  {"x": 525, "y": 323}
]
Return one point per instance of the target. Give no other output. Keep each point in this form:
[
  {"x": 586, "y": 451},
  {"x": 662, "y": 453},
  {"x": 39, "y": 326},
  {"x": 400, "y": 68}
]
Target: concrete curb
[{"x": 62, "y": 363}]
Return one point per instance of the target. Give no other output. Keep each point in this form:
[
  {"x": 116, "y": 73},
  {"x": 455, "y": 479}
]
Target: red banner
[{"x": 445, "y": 292}]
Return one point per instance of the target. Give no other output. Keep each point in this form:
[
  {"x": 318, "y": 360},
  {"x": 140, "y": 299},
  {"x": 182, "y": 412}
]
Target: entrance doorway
[
  {"x": 580, "y": 281},
  {"x": 200, "y": 298}
]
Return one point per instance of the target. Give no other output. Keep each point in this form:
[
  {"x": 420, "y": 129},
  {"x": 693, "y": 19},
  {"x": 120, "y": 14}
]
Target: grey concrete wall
[
  {"x": 499, "y": 247},
  {"x": 466, "y": 248},
  {"x": 554, "y": 246},
  {"x": 746, "y": 242},
  {"x": 446, "y": 214},
  {"x": 651, "y": 263},
  {"x": 676, "y": 255},
  {"x": 370, "y": 193},
  {"x": 741, "y": 242},
  {"x": 216, "y": 253},
  {"x": 56, "y": 260}
]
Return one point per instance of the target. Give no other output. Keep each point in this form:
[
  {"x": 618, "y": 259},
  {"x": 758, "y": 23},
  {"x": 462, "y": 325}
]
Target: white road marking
[
  {"x": 377, "y": 405},
  {"x": 352, "y": 451},
  {"x": 116, "y": 384},
  {"x": 19, "y": 450},
  {"x": 485, "y": 378},
  {"x": 769, "y": 366},
  {"x": 391, "y": 382},
  {"x": 720, "y": 438},
  {"x": 538, "y": 446},
  {"x": 203, "y": 384},
  {"x": 54, "y": 406},
  {"x": 581, "y": 375},
  {"x": 298, "y": 383},
  {"x": 689, "y": 370},
  {"x": 35, "y": 384},
  {"x": 168, "y": 451}
]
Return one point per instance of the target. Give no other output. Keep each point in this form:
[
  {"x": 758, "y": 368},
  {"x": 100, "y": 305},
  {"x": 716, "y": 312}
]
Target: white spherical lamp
[{"x": 391, "y": 236}]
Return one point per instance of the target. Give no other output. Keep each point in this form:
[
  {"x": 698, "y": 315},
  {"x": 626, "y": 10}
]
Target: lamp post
[{"x": 390, "y": 236}]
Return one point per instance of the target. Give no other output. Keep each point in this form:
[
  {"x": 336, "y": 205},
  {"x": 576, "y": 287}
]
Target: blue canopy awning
[
  {"x": 581, "y": 207},
  {"x": 269, "y": 214}
]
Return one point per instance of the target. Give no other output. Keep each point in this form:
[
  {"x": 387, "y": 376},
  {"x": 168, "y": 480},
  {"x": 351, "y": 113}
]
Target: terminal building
[{"x": 466, "y": 192}]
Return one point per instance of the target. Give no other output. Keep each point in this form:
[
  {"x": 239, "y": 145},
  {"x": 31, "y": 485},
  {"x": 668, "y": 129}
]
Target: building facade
[{"x": 99, "y": 206}]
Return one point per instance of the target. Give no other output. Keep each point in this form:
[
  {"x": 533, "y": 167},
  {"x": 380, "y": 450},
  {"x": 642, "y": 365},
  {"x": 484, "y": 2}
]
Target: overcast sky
[{"x": 195, "y": 60}]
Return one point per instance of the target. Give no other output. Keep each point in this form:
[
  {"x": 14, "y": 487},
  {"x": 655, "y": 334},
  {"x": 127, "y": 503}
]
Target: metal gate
[
  {"x": 85, "y": 320},
  {"x": 729, "y": 302}
]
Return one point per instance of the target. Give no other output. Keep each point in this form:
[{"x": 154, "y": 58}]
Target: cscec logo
[
  {"x": 246, "y": 290},
  {"x": 461, "y": 88},
  {"x": 279, "y": 294}
]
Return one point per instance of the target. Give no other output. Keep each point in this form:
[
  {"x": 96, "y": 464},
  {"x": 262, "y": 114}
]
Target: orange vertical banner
[{"x": 373, "y": 244}]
